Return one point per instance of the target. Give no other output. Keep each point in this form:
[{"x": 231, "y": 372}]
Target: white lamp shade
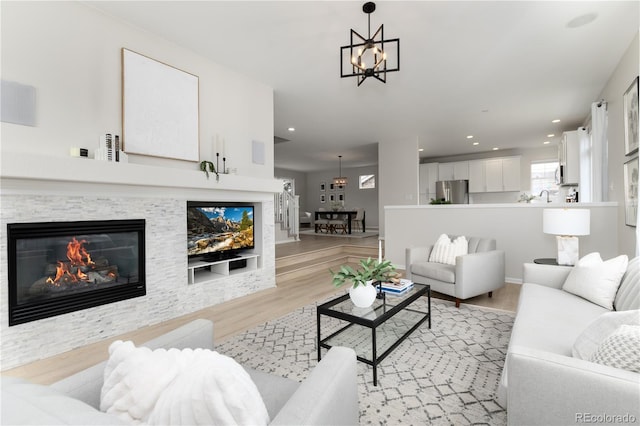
[{"x": 566, "y": 221}]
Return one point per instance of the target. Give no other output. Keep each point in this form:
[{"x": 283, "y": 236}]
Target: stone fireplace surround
[{"x": 156, "y": 194}]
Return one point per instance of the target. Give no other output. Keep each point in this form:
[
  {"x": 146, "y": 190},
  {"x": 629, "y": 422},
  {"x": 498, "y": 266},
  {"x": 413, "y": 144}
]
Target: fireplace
[{"x": 60, "y": 267}]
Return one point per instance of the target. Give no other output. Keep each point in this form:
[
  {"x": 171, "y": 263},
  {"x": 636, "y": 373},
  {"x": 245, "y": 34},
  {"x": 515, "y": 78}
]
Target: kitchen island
[{"x": 517, "y": 228}]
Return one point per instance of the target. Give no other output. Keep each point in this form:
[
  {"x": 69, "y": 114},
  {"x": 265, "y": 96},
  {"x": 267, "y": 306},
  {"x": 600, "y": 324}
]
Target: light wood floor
[{"x": 238, "y": 315}]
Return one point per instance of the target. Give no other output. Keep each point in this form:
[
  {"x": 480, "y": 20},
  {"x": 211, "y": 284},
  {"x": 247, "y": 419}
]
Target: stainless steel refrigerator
[{"x": 453, "y": 191}]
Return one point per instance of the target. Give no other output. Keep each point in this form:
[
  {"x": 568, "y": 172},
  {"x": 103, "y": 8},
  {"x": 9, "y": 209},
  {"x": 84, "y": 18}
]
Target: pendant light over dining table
[
  {"x": 340, "y": 180},
  {"x": 372, "y": 56}
]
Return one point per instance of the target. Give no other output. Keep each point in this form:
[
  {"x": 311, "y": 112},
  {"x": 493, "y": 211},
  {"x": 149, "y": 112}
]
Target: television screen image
[{"x": 218, "y": 231}]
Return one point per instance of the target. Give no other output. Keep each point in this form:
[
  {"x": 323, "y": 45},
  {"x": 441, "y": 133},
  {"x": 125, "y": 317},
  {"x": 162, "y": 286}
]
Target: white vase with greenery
[{"x": 362, "y": 291}]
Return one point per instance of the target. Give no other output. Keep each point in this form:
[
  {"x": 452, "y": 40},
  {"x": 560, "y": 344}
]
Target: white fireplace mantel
[
  {"x": 21, "y": 171},
  {"x": 35, "y": 188}
]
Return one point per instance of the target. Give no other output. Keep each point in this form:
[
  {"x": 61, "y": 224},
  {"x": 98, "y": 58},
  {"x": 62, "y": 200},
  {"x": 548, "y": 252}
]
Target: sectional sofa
[{"x": 546, "y": 380}]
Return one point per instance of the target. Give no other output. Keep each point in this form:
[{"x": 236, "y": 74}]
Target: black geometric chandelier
[{"x": 372, "y": 56}]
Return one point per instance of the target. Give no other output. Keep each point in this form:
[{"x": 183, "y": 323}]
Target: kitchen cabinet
[
  {"x": 461, "y": 170},
  {"x": 494, "y": 175},
  {"x": 427, "y": 186},
  {"x": 569, "y": 158},
  {"x": 445, "y": 171},
  {"x": 511, "y": 174},
  {"x": 477, "y": 176},
  {"x": 456, "y": 170}
]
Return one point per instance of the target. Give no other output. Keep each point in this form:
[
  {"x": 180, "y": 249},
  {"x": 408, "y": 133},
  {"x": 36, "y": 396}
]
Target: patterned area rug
[{"x": 445, "y": 375}]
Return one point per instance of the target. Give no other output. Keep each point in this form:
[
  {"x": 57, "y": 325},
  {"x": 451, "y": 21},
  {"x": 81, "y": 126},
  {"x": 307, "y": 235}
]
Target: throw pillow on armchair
[{"x": 446, "y": 251}]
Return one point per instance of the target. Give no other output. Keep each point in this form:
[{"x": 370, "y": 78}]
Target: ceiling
[{"x": 500, "y": 71}]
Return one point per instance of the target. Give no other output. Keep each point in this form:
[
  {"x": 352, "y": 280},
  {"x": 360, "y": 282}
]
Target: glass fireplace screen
[{"x": 59, "y": 267}]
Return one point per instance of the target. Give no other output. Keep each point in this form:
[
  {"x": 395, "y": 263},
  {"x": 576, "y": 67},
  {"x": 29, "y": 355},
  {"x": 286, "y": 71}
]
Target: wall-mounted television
[{"x": 219, "y": 230}]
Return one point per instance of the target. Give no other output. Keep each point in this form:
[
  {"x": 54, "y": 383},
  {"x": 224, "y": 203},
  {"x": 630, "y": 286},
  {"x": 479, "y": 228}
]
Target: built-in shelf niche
[{"x": 200, "y": 271}]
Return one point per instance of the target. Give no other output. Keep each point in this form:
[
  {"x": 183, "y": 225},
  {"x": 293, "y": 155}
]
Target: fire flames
[{"x": 72, "y": 271}]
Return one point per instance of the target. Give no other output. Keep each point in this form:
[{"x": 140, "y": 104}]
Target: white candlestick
[
  {"x": 379, "y": 251},
  {"x": 224, "y": 150}
]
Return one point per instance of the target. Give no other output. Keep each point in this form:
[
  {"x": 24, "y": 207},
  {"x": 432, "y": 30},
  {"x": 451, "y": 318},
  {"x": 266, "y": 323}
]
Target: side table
[{"x": 546, "y": 261}]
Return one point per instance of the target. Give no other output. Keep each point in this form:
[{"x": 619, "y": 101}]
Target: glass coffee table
[{"x": 376, "y": 331}]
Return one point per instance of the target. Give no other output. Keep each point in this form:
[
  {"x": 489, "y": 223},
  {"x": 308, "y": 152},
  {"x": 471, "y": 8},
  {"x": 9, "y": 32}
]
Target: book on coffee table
[{"x": 397, "y": 287}]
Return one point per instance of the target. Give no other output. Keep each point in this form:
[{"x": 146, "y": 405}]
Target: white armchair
[{"x": 480, "y": 271}]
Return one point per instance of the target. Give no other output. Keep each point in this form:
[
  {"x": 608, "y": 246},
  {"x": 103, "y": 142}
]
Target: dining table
[{"x": 349, "y": 213}]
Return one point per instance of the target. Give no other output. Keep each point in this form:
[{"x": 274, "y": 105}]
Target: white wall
[
  {"x": 71, "y": 54},
  {"x": 308, "y": 188},
  {"x": 354, "y": 196},
  {"x": 398, "y": 169},
  {"x": 625, "y": 72}
]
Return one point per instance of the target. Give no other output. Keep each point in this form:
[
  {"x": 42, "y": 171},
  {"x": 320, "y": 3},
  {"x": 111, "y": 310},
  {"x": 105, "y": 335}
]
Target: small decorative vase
[{"x": 363, "y": 295}]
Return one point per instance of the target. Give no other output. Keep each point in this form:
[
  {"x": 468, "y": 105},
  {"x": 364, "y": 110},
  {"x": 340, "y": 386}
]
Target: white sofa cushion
[
  {"x": 620, "y": 349},
  {"x": 599, "y": 329},
  {"x": 597, "y": 280},
  {"x": 446, "y": 251},
  {"x": 180, "y": 387},
  {"x": 436, "y": 271},
  {"x": 550, "y": 319}
]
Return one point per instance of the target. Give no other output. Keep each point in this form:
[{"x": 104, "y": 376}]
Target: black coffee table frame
[{"x": 383, "y": 310}]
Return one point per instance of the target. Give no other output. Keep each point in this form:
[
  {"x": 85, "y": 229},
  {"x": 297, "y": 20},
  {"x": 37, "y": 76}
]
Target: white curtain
[
  {"x": 599, "y": 152},
  {"x": 638, "y": 221},
  {"x": 585, "y": 166}
]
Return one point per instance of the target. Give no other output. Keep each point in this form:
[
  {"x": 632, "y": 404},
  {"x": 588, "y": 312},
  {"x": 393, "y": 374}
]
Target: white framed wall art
[{"x": 159, "y": 109}]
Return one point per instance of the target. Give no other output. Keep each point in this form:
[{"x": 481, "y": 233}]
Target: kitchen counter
[
  {"x": 553, "y": 205},
  {"x": 517, "y": 228}
]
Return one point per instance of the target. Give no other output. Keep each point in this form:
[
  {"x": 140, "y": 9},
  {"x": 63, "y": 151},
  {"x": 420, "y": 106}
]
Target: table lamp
[{"x": 566, "y": 224}]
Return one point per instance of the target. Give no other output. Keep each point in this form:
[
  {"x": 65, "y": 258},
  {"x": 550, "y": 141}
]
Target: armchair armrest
[
  {"x": 547, "y": 275},
  {"x": 413, "y": 255},
  {"x": 478, "y": 273},
  {"x": 329, "y": 396},
  {"x": 548, "y": 389}
]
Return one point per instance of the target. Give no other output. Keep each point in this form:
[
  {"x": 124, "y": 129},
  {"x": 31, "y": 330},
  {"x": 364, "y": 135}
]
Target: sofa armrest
[
  {"x": 86, "y": 385},
  {"x": 413, "y": 255},
  {"x": 547, "y": 275},
  {"x": 329, "y": 396},
  {"x": 478, "y": 273},
  {"x": 550, "y": 389}
]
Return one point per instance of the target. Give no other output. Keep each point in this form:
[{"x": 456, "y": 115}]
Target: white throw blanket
[{"x": 179, "y": 387}]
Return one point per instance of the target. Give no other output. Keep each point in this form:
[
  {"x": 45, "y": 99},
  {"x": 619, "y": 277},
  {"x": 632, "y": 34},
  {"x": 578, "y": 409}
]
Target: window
[
  {"x": 367, "y": 181},
  {"x": 543, "y": 176}
]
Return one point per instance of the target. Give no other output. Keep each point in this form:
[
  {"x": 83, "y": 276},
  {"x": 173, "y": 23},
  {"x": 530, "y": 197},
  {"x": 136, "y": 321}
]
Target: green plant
[
  {"x": 440, "y": 201},
  {"x": 207, "y": 166},
  {"x": 526, "y": 198},
  {"x": 369, "y": 270}
]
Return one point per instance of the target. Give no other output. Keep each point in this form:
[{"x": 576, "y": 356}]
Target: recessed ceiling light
[
  {"x": 550, "y": 135},
  {"x": 470, "y": 137},
  {"x": 476, "y": 143},
  {"x": 420, "y": 149},
  {"x": 546, "y": 142},
  {"x": 557, "y": 120},
  {"x": 495, "y": 148},
  {"x": 291, "y": 129}
]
